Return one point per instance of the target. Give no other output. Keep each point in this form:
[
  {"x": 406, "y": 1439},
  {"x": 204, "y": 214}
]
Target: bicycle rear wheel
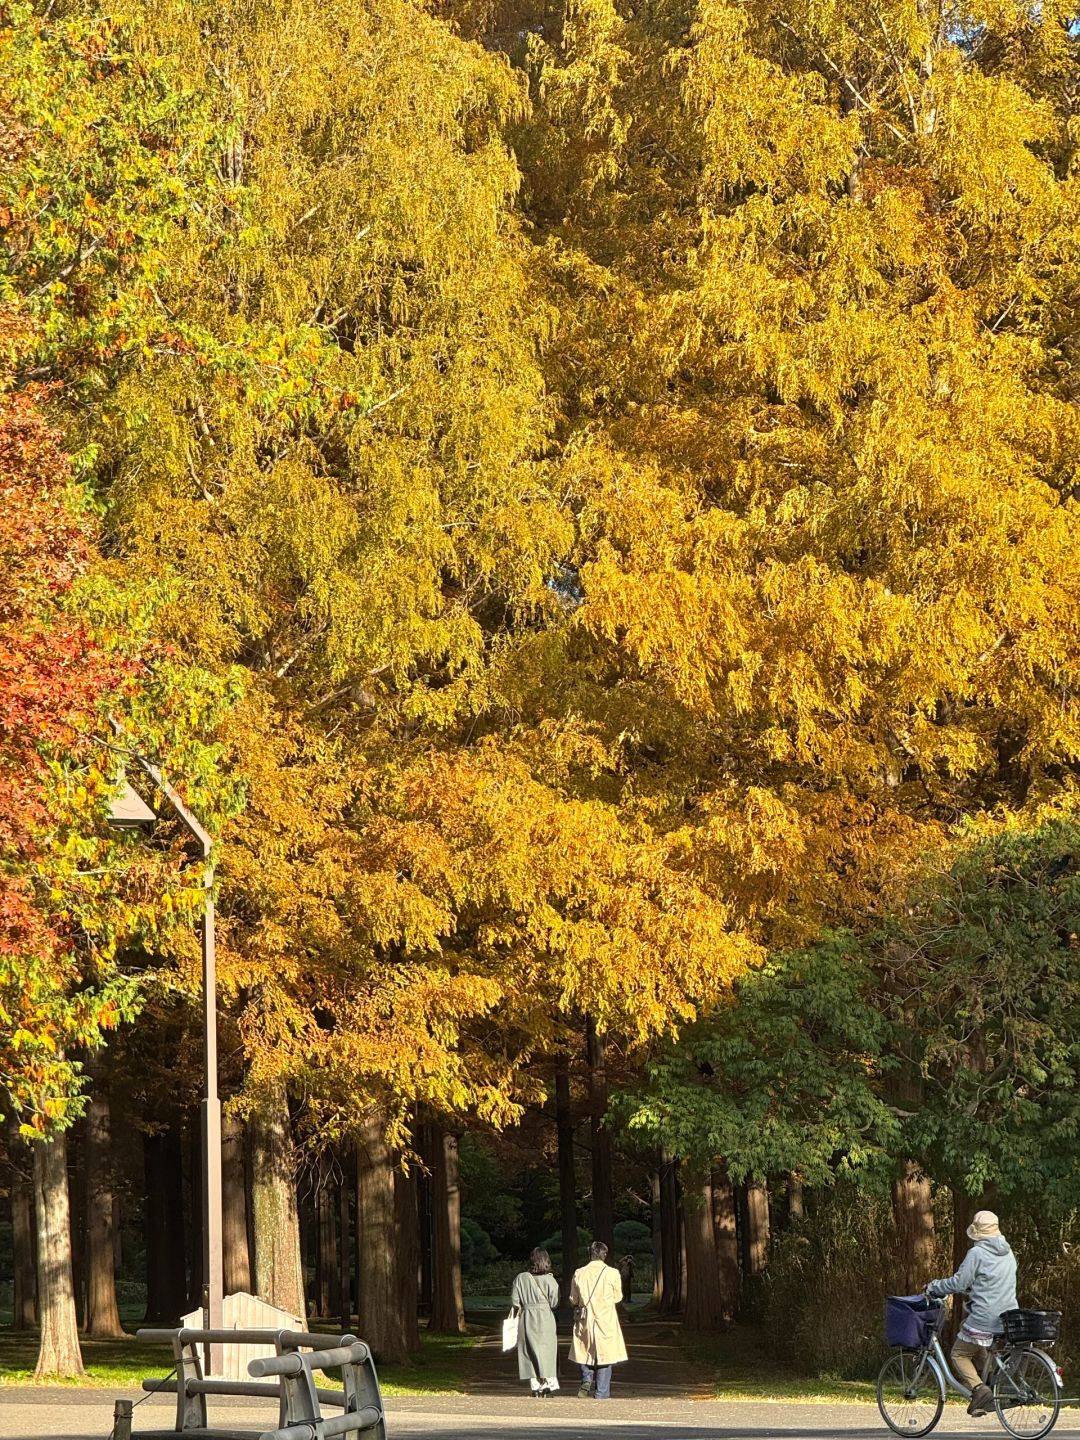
[
  {"x": 1026, "y": 1396},
  {"x": 910, "y": 1393}
]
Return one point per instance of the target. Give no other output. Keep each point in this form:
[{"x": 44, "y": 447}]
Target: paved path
[
  {"x": 659, "y": 1395},
  {"x": 657, "y": 1368},
  {"x": 44, "y": 1414}
]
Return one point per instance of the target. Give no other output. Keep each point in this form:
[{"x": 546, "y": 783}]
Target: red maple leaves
[{"x": 52, "y": 672}]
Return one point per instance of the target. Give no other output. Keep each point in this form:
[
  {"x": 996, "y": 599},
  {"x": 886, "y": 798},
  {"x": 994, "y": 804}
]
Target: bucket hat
[{"x": 984, "y": 1226}]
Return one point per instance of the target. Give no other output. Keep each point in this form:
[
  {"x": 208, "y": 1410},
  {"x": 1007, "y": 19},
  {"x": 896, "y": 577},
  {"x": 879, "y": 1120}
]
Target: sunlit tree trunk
[
  {"x": 59, "y": 1352},
  {"x": 796, "y": 1204},
  {"x": 278, "y": 1270},
  {"x": 913, "y": 1211},
  {"x": 236, "y": 1255}
]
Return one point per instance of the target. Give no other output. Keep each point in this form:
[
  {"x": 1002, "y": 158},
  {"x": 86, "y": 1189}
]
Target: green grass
[
  {"x": 746, "y": 1366},
  {"x": 439, "y": 1369},
  {"x": 111, "y": 1364}
]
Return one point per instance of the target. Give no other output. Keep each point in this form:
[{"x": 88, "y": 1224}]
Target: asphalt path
[{"x": 35, "y": 1413}]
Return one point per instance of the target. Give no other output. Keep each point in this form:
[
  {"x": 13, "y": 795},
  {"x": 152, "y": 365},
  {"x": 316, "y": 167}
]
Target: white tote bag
[{"x": 510, "y": 1332}]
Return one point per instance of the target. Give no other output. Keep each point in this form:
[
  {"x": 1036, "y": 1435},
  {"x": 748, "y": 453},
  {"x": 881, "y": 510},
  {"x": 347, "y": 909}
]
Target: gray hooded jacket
[{"x": 988, "y": 1278}]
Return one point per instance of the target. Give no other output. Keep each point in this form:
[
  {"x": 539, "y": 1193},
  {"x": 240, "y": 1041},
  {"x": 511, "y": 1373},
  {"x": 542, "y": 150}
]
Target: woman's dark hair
[
  {"x": 539, "y": 1263},
  {"x": 598, "y": 1250}
]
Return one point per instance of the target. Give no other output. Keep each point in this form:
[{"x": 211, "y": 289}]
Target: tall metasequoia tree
[
  {"x": 279, "y": 1276},
  {"x": 384, "y": 1323},
  {"x": 813, "y": 383},
  {"x": 447, "y": 1303}
]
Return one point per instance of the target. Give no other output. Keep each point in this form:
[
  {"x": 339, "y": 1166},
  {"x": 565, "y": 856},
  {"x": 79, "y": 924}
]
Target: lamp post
[{"x": 130, "y": 812}]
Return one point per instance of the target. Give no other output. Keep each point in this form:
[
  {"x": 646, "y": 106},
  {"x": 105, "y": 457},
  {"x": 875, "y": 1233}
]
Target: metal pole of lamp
[{"x": 130, "y": 812}]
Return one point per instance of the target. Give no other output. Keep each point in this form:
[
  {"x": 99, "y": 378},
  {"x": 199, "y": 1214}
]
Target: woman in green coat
[{"x": 533, "y": 1299}]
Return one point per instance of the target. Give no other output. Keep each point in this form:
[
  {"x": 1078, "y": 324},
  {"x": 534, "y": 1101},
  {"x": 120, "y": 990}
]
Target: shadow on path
[{"x": 657, "y": 1368}]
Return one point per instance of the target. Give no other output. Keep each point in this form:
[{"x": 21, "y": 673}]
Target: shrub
[{"x": 827, "y": 1282}]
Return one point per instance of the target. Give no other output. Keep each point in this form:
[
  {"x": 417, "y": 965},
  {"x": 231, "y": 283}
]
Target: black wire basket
[{"x": 1024, "y": 1325}]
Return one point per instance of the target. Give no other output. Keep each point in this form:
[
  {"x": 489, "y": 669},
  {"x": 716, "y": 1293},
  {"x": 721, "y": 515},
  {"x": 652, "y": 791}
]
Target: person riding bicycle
[{"x": 988, "y": 1279}]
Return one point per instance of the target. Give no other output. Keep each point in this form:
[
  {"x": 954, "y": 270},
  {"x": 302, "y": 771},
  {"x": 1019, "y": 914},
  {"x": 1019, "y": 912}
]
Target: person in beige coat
[{"x": 598, "y": 1344}]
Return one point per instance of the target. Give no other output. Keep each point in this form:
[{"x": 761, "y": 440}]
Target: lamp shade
[{"x": 128, "y": 810}]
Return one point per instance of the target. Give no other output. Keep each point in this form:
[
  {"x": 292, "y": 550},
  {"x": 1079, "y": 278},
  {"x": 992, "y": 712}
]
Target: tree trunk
[
  {"x": 406, "y": 1197},
  {"x": 236, "y": 1256},
  {"x": 603, "y": 1200},
  {"x": 564, "y": 1125},
  {"x": 347, "y": 1197},
  {"x": 671, "y": 1300},
  {"x": 682, "y": 1241},
  {"x": 657, "y": 1239},
  {"x": 963, "y": 1212},
  {"x": 727, "y": 1242},
  {"x": 427, "y": 1278},
  {"x": 278, "y": 1271},
  {"x": 24, "y": 1287},
  {"x": 77, "y": 1215},
  {"x": 704, "y": 1302},
  {"x": 913, "y": 1212},
  {"x": 102, "y": 1311},
  {"x": 163, "y": 1225},
  {"x": 756, "y": 1253},
  {"x": 796, "y": 1207},
  {"x": 326, "y": 1261},
  {"x": 381, "y": 1322},
  {"x": 447, "y": 1305},
  {"x": 59, "y": 1352}
]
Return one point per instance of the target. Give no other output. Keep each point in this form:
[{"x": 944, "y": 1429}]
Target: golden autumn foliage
[{"x": 631, "y": 455}]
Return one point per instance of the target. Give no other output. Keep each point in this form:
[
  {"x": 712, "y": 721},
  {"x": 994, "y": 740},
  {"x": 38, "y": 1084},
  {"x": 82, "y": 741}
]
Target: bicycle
[{"x": 1025, "y": 1382}]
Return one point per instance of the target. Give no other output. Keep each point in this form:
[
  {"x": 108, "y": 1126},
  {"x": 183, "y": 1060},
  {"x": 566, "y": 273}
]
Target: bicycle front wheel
[
  {"x": 1026, "y": 1395},
  {"x": 910, "y": 1393}
]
